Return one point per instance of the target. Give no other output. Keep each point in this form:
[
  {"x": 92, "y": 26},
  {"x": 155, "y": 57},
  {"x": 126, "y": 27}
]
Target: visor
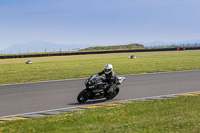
[{"x": 107, "y": 70}]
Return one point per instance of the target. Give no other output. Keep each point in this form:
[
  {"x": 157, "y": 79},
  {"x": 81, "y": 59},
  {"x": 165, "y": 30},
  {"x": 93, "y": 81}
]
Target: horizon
[
  {"x": 44, "y": 46},
  {"x": 97, "y": 22}
]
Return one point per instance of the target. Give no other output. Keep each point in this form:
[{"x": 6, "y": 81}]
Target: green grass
[
  {"x": 180, "y": 114},
  {"x": 79, "y": 66}
]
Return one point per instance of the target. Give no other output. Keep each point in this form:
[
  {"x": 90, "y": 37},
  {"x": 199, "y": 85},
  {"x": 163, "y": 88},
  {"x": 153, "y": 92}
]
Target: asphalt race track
[{"x": 33, "y": 97}]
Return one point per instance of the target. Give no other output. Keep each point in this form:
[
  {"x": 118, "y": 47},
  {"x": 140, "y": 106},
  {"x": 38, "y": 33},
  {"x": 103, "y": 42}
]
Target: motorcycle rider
[{"x": 110, "y": 77}]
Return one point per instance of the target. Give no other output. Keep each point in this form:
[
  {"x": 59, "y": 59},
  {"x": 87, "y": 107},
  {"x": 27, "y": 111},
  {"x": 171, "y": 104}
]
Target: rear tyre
[
  {"x": 83, "y": 96},
  {"x": 112, "y": 95}
]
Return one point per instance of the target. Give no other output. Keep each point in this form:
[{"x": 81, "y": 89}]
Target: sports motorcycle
[{"x": 96, "y": 89}]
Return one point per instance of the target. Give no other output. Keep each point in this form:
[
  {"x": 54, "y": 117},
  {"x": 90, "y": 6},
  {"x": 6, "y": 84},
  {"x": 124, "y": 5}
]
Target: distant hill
[
  {"x": 41, "y": 46},
  {"x": 119, "y": 47}
]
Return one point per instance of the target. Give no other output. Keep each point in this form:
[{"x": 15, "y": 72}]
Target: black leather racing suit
[{"x": 111, "y": 79}]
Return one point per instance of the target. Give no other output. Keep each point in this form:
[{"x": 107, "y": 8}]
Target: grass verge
[
  {"x": 180, "y": 114},
  {"x": 79, "y": 66}
]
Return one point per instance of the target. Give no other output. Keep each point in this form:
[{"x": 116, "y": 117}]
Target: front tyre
[
  {"x": 83, "y": 96},
  {"x": 112, "y": 95}
]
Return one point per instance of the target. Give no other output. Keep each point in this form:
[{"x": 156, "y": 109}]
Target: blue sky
[{"x": 98, "y": 22}]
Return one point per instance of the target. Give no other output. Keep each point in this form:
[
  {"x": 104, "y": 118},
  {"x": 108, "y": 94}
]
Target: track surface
[{"x": 33, "y": 97}]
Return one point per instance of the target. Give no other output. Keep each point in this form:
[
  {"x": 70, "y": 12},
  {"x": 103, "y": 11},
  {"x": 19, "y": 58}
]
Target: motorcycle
[{"x": 96, "y": 89}]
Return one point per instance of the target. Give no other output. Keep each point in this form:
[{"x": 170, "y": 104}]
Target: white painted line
[
  {"x": 77, "y": 107},
  {"x": 88, "y": 77},
  {"x": 43, "y": 82},
  {"x": 163, "y": 72}
]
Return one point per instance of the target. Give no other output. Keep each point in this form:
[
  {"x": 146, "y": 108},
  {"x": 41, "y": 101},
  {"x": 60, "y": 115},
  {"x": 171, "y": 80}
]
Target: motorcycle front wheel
[{"x": 83, "y": 96}]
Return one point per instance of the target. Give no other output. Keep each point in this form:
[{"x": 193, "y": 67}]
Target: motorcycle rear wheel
[
  {"x": 83, "y": 96},
  {"x": 112, "y": 95}
]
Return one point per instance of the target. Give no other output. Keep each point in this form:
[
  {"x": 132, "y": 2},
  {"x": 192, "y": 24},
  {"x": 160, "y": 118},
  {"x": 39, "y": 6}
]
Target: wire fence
[
  {"x": 47, "y": 50},
  {"x": 96, "y": 52},
  {"x": 174, "y": 45}
]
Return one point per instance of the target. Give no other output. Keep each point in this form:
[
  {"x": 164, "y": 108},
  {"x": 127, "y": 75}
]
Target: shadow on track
[{"x": 90, "y": 102}]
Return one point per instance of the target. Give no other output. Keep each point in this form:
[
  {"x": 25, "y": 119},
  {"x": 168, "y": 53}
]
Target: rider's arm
[{"x": 100, "y": 73}]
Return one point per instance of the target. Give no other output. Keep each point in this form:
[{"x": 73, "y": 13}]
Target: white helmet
[{"x": 108, "y": 68}]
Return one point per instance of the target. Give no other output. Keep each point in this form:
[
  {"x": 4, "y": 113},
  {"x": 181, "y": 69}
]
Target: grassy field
[
  {"x": 79, "y": 66},
  {"x": 178, "y": 115}
]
